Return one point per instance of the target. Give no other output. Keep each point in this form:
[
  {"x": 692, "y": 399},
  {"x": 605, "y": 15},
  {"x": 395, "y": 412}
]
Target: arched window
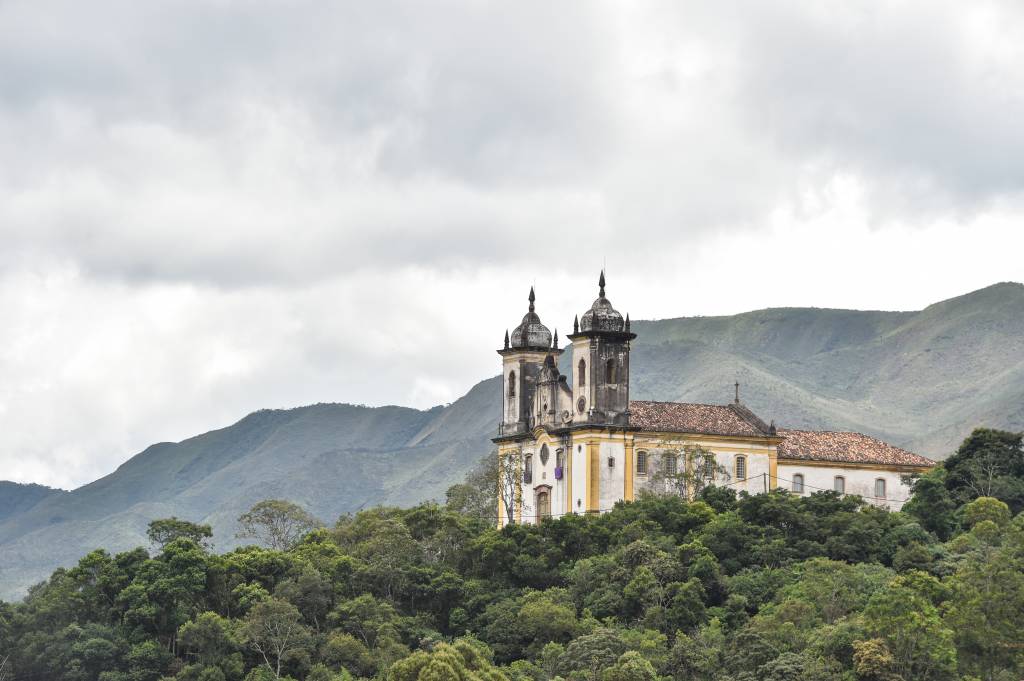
[
  {"x": 609, "y": 373},
  {"x": 839, "y": 484},
  {"x": 512, "y": 384},
  {"x": 671, "y": 467},
  {"x": 641, "y": 463},
  {"x": 741, "y": 468},
  {"x": 798, "y": 483},
  {"x": 528, "y": 469},
  {"x": 543, "y": 504},
  {"x": 581, "y": 372},
  {"x": 880, "y": 488}
]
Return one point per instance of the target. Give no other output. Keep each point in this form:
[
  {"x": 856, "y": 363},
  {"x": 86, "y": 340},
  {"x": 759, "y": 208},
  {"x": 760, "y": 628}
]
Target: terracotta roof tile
[
  {"x": 683, "y": 417},
  {"x": 812, "y": 445}
]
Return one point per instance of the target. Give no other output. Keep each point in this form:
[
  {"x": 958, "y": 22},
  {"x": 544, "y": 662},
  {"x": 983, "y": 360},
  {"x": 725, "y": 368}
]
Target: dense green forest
[{"x": 773, "y": 587}]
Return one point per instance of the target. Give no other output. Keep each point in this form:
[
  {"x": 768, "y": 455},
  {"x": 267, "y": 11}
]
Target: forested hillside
[
  {"x": 771, "y": 587},
  {"x": 16, "y": 499},
  {"x": 921, "y": 380}
]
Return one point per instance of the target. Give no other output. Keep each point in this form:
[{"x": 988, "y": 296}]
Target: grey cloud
[
  {"x": 242, "y": 143},
  {"x": 922, "y": 101}
]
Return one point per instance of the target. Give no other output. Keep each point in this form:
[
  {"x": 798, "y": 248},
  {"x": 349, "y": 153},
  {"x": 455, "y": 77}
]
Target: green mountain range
[{"x": 922, "y": 380}]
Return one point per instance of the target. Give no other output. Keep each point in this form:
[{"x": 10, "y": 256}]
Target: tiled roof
[
  {"x": 682, "y": 417},
  {"x": 812, "y": 445}
]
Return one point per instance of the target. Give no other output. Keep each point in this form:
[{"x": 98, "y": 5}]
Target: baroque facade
[{"x": 579, "y": 444}]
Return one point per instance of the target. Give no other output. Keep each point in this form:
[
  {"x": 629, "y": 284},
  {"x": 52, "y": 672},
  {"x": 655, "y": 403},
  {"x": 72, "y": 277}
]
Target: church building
[{"x": 579, "y": 444}]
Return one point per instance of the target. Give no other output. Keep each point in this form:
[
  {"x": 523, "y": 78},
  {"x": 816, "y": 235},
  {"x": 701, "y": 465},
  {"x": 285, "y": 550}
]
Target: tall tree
[
  {"x": 275, "y": 630},
  {"x": 477, "y": 495},
  {"x": 989, "y": 463},
  {"x": 165, "y": 530},
  {"x": 689, "y": 471},
  {"x": 277, "y": 523}
]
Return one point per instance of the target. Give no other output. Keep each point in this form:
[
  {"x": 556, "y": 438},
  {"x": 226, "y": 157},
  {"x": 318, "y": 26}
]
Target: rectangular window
[
  {"x": 879, "y": 488},
  {"x": 839, "y": 484},
  {"x": 798, "y": 483},
  {"x": 641, "y": 463},
  {"x": 741, "y": 468},
  {"x": 670, "y": 464}
]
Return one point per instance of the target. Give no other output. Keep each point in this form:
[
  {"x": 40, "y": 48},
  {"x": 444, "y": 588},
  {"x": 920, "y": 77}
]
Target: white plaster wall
[
  {"x": 612, "y": 478},
  {"x": 544, "y": 474},
  {"x": 579, "y": 477},
  {"x": 858, "y": 481},
  {"x": 758, "y": 471},
  {"x": 758, "y": 462},
  {"x": 529, "y": 510}
]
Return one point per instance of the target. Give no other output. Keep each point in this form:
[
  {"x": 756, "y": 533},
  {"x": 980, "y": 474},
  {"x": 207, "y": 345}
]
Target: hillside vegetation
[
  {"x": 922, "y": 380},
  {"x": 770, "y": 587}
]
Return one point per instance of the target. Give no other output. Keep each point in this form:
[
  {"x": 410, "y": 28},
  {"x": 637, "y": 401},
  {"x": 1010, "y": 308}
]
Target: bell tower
[
  {"x": 522, "y": 362},
  {"x": 600, "y": 354}
]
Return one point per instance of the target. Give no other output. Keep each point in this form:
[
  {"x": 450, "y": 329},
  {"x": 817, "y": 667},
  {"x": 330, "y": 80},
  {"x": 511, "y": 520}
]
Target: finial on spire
[
  {"x": 554, "y": 343},
  {"x": 600, "y": 282},
  {"x": 627, "y": 322},
  {"x": 506, "y": 339},
  {"x": 737, "y": 392},
  {"x": 772, "y": 430},
  {"x": 576, "y": 325},
  {"x": 532, "y": 298}
]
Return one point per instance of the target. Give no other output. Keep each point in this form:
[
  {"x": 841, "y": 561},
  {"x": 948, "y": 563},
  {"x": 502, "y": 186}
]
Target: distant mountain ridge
[
  {"x": 921, "y": 380},
  {"x": 16, "y": 498}
]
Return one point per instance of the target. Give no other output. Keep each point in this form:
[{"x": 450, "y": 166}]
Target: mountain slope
[
  {"x": 921, "y": 380},
  {"x": 16, "y": 498}
]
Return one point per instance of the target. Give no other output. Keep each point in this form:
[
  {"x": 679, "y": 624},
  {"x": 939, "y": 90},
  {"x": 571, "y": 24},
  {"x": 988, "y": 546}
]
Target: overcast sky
[{"x": 209, "y": 207}]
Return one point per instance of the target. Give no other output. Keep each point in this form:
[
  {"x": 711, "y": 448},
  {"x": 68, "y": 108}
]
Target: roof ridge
[
  {"x": 750, "y": 417},
  {"x": 698, "y": 404},
  {"x": 843, "y": 432}
]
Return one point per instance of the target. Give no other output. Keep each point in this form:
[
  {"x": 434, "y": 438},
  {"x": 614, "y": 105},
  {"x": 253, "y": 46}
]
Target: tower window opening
[
  {"x": 609, "y": 373},
  {"x": 581, "y": 372},
  {"x": 512, "y": 384}
]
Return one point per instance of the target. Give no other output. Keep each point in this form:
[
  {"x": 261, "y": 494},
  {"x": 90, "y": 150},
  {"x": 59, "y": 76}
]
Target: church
[{"x": 579, "y": 444}]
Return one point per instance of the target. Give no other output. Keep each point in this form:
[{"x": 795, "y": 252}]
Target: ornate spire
[
  {"x": 737, "y": 392},
  {"x": 576, "y": 325},
  {"x": 600, "y": 282},
  {"x": 772, "y": 430},
  {"x": 627, "y": 322},
  {"x": 554, "y": 343},
  {"x": 532, "y": 298},
  {"x": 506, "y": 339}
]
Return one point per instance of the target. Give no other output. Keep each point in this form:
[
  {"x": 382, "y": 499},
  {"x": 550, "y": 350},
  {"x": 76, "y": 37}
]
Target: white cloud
[{"x": 209, "y": 207}]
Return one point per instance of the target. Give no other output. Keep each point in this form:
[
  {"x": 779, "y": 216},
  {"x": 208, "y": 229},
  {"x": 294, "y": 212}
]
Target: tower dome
[
  {"x": 531, "y": 333},
  {"x": 601, "y": 316}
]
